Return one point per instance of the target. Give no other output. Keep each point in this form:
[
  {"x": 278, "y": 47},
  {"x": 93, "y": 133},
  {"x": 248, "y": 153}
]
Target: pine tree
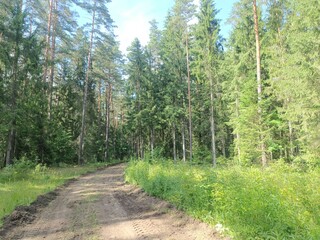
[
  {"x": 100, "y": 21},
  {"x": 136, "y": 70},
  {"x": 207, "y": 51},
  {"x": 175, "y": 49},
  {"x": 241, "y": 87}
]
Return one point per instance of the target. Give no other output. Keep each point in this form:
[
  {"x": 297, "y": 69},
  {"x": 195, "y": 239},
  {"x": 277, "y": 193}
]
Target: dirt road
[{"x": 102, "y": 206}]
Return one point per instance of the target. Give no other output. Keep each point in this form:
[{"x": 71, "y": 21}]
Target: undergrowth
[
  {"x": 22, "y": 183},
  {"x": 244, "y": 203}
]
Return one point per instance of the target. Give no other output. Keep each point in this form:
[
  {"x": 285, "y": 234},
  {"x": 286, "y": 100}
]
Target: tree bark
[
  {"x": 237, "y": 112},
  {"x": 152, "y": 141},
  {"x": 189, "y": 99},
  {"x": 291, "y": 139},
  {"x": 212, "y": 123},
  {"x": 14, "y": 92},
  {"x": 46, "y": 54},
  {"x": 183, "y": 141},
  {"x": 174, "y": 142},
  {"x": 108, "y": 101},
  {"x": 259, "y": 84},
  {"x": 53, "y": 55},
  {"x": 85, "y": 95}
]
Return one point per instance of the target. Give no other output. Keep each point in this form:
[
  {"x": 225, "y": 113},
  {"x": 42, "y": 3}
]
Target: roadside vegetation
[
  {"x": 279, "y": 202},
  {"x": 22, "y": 183}
]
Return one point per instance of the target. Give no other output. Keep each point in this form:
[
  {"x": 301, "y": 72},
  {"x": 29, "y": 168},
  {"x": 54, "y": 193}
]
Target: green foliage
[{"x": 250, "y": 203}]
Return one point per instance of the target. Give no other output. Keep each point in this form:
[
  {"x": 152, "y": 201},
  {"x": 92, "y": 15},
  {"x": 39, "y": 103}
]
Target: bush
[{"x": 248, "y": 203}]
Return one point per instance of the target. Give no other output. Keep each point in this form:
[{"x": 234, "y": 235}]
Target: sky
[{"x": 132, "y": 17}]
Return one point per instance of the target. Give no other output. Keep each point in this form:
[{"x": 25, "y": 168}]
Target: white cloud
[
  {"x": 132, "y": 18},
  {"x": 132, "y": 23}
]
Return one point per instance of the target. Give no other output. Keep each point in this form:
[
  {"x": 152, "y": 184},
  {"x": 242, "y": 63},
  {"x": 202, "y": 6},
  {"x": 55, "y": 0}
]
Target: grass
[
  {"x": 22, "y": 184},
  {"x": 245, "y": 203}
]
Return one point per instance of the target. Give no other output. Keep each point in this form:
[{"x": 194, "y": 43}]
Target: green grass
[
  {"x": 247, "y": 203},
  {"x": 20, "y": 185}
]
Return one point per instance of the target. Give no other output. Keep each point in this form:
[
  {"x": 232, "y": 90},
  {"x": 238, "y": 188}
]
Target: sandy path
[{"x": 101, "y": 206}]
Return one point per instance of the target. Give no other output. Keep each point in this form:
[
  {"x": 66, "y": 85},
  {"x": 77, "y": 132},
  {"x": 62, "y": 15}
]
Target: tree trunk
[
  {"x": 85, "y": 95},
  {"x": 108, "y": 100},
  {"x": 183, "y": 141},
  {"x": 212, "y": 122},
  {"x": 291, "y": 139},
  {"x": 259, "y": 83},
  {"x": 237, "y": 131},
  {"x": 14, "y": 93},
  {"x": 174, "y": 142},
  {"x": 152, "y": 141},
  {"x": 189, "y": 99},
  {"x": 46, "y": 54},
  {"x": 53, "y": 55},
  {"x": 10, "y": 145},
  {"x": 213, "y": 138}
]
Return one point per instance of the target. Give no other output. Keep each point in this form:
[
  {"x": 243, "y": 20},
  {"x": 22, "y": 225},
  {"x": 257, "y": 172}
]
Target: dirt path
[{"x": 101, "y": 206}]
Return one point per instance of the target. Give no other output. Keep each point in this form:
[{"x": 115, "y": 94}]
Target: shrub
[{"x": 248, "y": 203}]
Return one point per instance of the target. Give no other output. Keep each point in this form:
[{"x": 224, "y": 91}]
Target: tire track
[{"x": 100, "y": 206}]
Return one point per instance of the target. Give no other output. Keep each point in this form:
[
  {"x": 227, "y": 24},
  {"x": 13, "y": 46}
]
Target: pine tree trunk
[
  {"x": 259, "y": 83},
  {"x": 53, "y": 55},
  {"x": 46, "y": 55},
  {"x": 10, "y": 145},
  {"x": 152, "y": 141},
  {"x": 183, "y": 141},
  {"x": 85, "y": 95},
  {"x": 237, "y": 130},
  {"x": 189, "y": 100},
  {"x": 213, "y": 138},
  {"x": 99, "y": 108},
  {"x": 291, "y": 139},
  {"x": 14, "y": 93},
  {"x": 174, "y": 142},
  {"x": 108, "y": 101}
]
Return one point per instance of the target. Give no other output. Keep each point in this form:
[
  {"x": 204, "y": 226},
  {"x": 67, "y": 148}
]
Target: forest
[
  {"x": 226, "y": 129},
  {"x": 68, "y": 95}
]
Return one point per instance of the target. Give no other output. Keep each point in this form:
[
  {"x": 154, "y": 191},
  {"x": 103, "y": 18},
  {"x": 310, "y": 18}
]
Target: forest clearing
[{"x": 216, "y": 111}]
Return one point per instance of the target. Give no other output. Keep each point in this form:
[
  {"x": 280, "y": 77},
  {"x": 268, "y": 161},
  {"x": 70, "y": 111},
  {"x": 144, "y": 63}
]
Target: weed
[{"x": 245, "y": 202}]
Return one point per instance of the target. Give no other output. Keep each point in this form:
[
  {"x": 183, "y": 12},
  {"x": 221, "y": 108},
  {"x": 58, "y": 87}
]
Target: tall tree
[
  {"x": 12, "y": 29},
  {"x": 259, "y": 83},
  {"x": 207, "y": 49},
  {"x": 136, "y": 70},
  {"x": 175, "y": 60},
  {"x": 241, "y": 87},
  {"x": 100, "y": 21}
]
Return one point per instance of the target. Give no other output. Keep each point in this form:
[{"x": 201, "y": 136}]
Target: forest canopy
[{"x": 69, "y": 95}]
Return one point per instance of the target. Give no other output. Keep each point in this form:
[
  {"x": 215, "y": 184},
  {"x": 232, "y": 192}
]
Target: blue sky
[{"x": 132, "y": 17}]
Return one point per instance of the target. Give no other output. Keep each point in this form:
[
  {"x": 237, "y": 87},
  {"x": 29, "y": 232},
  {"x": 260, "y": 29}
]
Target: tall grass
[
  {"x": 247, "y": 203},
  {"x": 23, "y": 183}
]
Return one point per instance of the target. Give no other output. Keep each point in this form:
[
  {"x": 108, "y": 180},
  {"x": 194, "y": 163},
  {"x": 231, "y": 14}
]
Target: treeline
[
  {"x": 254, "y": 97},
  {"x": 60, "y": 99},
  {"x": 68, "y": 95}
]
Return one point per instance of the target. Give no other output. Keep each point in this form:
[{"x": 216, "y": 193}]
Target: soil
[{"x": 101, "y": 206}]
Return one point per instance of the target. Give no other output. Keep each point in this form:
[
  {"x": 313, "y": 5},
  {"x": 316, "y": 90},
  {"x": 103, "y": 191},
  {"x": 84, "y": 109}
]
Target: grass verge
[
  {"x": 21, "y": 184},
  {"x": 245, "y": 203}
]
